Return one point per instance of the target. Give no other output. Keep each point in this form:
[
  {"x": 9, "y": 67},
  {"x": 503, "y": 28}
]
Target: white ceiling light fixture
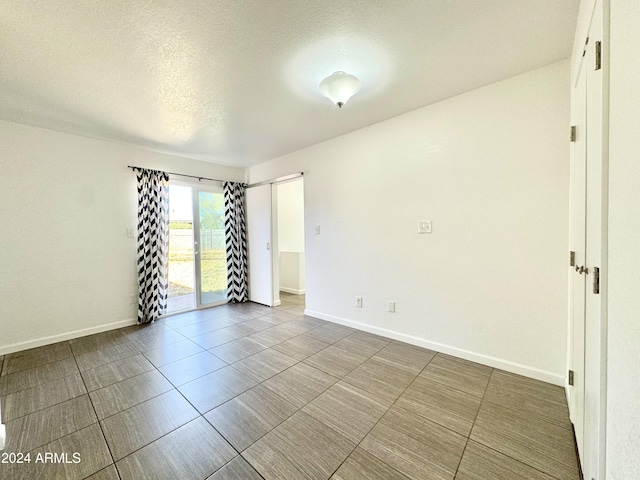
[{"x": 340, "y": 87}]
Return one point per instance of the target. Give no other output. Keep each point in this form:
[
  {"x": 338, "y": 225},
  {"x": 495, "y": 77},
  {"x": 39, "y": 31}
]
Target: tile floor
[{"x": 248, "y": 392}]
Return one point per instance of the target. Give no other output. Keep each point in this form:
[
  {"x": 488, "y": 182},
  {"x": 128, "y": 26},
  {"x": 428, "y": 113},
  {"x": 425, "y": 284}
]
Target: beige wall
[
  {"x": 67, "y": 267},
  {"x": 490, "y": 168},
  {"x": 623, "y": 392}
]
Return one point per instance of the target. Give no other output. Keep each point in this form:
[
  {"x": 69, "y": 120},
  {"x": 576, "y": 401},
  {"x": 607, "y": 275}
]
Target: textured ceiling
[{"x": 235, "y": 81}]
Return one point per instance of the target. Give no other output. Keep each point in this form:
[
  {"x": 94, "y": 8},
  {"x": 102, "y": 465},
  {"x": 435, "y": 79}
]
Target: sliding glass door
[
  {"x": 197, "y": 258},
  {"x": 211, "y": 258}
]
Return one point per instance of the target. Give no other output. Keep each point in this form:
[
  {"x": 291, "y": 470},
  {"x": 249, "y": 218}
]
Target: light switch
[
  {"x": 317, "y": 229},
  {"x": 424, "y": 227}
]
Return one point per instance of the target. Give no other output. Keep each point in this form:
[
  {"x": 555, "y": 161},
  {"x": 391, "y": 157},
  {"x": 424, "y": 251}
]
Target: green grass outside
[{"x": 181, "y": 268}]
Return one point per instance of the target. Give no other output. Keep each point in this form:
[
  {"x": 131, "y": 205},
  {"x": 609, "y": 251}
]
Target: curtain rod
[
  {"x": 190, "y": 176},
  {"x": 277, "y": 179}
]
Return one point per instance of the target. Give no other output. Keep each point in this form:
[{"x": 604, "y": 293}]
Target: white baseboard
[
  {"x": 39, "y": 342},
  {"x": 494, "y": 362},
  {"x": 276, "y": 303},
  {"x": 292, "y": 291}
]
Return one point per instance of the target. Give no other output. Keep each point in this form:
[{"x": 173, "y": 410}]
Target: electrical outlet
[
  {"x": 359, "y": 302},
  {"x": 391, "y": 307}
]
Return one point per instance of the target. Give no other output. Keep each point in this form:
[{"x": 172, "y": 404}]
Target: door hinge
[
  {"x": 571, "y": 377},
  {"x": 572, "y": 259},
  {"x": 573, "y": 133},
  {"x": 598, "y": 55},
  {"x": 596, "y": 280}
]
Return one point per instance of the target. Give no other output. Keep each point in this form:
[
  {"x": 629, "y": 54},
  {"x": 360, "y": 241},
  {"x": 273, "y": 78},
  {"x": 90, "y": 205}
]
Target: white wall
[
  {"x": 67, "y": 267},
  {"x": 291, "y": 216},
  {"x": 490, "y": 169},
  {"x": 623, "y": 392},
  {"x": 290, "y": 226}
]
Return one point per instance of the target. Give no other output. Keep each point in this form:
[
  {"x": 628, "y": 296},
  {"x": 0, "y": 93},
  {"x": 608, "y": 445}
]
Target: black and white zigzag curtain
[
  {"x": 236, "y": 241},
  {"x": 153, "y": 243}
]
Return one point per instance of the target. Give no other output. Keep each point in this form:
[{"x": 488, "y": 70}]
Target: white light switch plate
[{"x": 424, "y": 227}]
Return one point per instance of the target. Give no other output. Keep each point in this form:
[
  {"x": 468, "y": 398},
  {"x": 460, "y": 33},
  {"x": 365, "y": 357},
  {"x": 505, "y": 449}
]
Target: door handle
[
  {"x": 195, "y": 249},
  {"x": 268, "y": 246},
  {"x": 582, "y": 270}
]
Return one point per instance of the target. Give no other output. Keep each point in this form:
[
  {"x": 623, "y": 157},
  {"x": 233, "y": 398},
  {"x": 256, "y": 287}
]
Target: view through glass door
[{"x": 197, "y": 256}]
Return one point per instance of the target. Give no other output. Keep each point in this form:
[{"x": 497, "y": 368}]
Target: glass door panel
[
  {"x": 211, "y": 258},
  {"x": 181, "y": 252}
]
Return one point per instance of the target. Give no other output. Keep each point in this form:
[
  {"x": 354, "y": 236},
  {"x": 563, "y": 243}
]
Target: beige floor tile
[
  {"x": 216, "y": 338},
  {"x": 204, "y": 327},
  {"x": 482, "y": 463},
  {"x": 264, "y": 365},
  {"x": 300, "y": 384},
  {"x": 301, "y": 347},
  {"x": 44, "y": 426},
  {"x": 460, "y": 374},
  {"x": 537, "y": 443},
  {"x": 172, "y": 353},
  {"x": 43, "y": 396},
  {"x": 380, "y": 379},
  {"x": 109, "y": 473},
  {"x": 361, "y": 465},
  {"x": 415, "y": 446},
  {"x": 35, "y": 357},
  {"x": 548, "y": 402},
  {"x": 439, "y": 403},
  {"x": 405, "y": 356},
  {"x": 33, "y": 377},
  {"x": 236, "y": 469},
  {"x": 237, "y": 350},
  {"x": 115, "y": 372},
  {"x": 106, "y": 355},
  {"x": 159, "y": 338},
  {"x": 206, "y": 393},
  {"x": 330, "y": 332},
  {"x": 249, "y": 416},
  {"x": 140, "y": 425},
  {"x": 348, "y": 410},
  {"x": 127, "y": 393},
  {"x": 83, "y": 453},
  {"x": 335, "y": 361},
  {"x": 301, "y": 447},
  {"x": 190, "y": 368},
  {"x": 270, "y": 337},
  {"x": 362, "y": 343},
  {"x": 99, "y": 341},
  {"x": 191, "y": 452}
]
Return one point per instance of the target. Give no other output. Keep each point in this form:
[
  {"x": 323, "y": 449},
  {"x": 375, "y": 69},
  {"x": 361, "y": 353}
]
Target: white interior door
[
  {"x": 260, "y": 266},
  {"x": 588, "y": 222},
  {"x": 578, "y": 240},
  {"x": 595, "y": 334}
]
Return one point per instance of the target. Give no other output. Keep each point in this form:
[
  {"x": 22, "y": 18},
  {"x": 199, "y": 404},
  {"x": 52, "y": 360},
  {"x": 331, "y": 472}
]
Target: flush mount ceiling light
[{"x": 340, "y": 87}]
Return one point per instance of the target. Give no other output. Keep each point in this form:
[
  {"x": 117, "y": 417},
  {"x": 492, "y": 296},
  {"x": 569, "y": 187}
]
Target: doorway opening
[
  {"x": 197, "y": 253},
  {"x": 289, "y": 269}
]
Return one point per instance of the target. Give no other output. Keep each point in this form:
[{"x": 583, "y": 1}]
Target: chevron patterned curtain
[
  {"x": 153, "y": 243},
  {"x": 236, "y": 241}
]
